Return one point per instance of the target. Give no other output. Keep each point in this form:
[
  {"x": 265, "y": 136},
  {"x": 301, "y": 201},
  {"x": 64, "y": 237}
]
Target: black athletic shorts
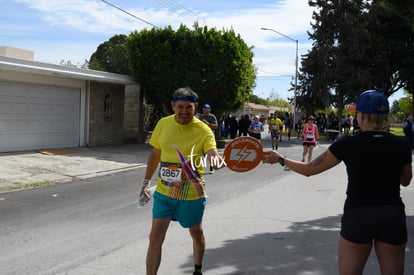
[
  {"x": 381, "y": 223},
  {"x": 274, "y": 133}
]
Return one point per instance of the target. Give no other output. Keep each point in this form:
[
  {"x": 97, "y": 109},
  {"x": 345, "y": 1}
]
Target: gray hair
[{"x": 185, "y": 93}]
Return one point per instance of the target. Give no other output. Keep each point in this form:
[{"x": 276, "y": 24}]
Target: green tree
[
  {"x": 389, "y": 47},
  {"x": 404, "y": 8},
  {"x": 257, "y": 100},
  {"x": 280, "y": 102},
  {"x": 358, "y": 45},
  {"x": 405, "y": 103},
  {"x": 394, "y": 107},
  {"x": 215, "y": 64},
  {"x": 112, "y": 56},
  {"x": 69, "y": 63},
  {"x": 330, "y": 71}
]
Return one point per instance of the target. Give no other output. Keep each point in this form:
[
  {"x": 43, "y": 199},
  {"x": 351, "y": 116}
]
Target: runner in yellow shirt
[
  {"x": 275, "y": 124},
  {"x": 176, "y": 197}
]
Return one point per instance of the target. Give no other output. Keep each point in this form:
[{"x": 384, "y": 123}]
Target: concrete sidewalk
[{"x": 32, "y": 168}]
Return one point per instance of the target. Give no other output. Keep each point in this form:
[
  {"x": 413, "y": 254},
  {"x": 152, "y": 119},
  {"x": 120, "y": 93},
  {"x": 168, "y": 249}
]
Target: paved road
[{"x": 268, "y": 221}]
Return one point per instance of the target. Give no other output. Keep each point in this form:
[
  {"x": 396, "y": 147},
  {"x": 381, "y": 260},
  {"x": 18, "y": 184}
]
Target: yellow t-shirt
[
  {"x": 275, "y": 124},
  {"x": 193, "y": 140}
]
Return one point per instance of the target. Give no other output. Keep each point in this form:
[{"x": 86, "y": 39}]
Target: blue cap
[
  {"x": 372, "y": 102},
  {"x": 207, "y": 106}
]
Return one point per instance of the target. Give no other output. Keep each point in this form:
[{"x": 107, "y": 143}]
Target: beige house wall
[
  {"x": 111, "y": 105},
  {"x": 252, "y": 109},
  {"x": 16, "y": 53}
]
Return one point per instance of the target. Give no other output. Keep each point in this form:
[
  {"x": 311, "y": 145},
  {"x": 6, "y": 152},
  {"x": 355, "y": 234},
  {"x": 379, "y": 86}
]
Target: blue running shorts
[{"x": 187, "y": 213}]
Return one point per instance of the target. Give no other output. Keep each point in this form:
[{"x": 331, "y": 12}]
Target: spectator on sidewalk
[
  {"x": 377, "y": 163},
  {"x": 288, "y": 121},
  {"x": 234, "y": 126},
  {"x": 301, "y": 122},
  {"x": 208, "y": 118},
  {"x": 408, "y": 129},
  {"x": 244, "y": 123},
  {"x": 256, "y": 128},
  {"x": 355, "y": 126}
]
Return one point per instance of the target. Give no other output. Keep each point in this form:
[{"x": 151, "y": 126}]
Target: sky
[{"x": 71, "y": 30}]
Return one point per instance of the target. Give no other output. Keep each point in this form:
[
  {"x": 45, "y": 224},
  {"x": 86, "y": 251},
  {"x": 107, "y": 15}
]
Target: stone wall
[
  {"x": 132, "y": 125},
  {"x": 106, "y": 114}
]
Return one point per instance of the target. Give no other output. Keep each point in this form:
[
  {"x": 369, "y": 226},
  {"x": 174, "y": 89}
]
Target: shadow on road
[{"x": 307, "y": 248}]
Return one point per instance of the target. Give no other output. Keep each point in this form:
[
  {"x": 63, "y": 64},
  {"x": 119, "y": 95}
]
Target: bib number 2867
[{"x": 170, "y": 173}]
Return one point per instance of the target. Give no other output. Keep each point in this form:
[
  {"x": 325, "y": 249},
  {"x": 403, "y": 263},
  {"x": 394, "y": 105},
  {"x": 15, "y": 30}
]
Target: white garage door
[{"x": 38, "y": 117}]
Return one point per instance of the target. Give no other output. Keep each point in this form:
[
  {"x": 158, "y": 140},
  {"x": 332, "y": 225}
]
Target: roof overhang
[{"x": 33, "y": 67}]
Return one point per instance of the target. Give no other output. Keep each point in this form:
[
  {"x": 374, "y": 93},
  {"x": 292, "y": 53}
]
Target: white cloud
[
  {"x": 273, "y": 53},
  {"x": 92, "y": 22},
  {"x": 85, "y": 16}
]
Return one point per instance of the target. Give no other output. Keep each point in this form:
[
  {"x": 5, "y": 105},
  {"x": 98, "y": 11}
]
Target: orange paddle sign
[{"x": 243, "y": 154}]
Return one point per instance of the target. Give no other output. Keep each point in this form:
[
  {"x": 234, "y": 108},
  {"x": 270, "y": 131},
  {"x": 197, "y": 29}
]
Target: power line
[
  {"x": 130, "y": 14},
  {"x": 174, "y": 6}
]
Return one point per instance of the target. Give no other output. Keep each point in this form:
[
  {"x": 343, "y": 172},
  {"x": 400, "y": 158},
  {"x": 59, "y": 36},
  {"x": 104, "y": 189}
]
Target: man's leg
[
  {"x": 277, "y": 140},
  {"x": 199, "y": 243},
  {"x": 156, "y": 239},
  {"x": 273, "y": 140}
]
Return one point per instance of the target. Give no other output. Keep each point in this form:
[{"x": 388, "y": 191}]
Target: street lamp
[{"x": 296, "y": 68}]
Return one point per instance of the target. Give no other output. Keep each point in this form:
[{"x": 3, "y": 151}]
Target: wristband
[
  {"x": 146, "y": 182},
  {"x": 281, "y": 161}
]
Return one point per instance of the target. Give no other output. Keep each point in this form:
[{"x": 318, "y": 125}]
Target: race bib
[
  {"x": 309, "y": 136},
  {"x": 275, "y": 127},
  {"x": 170, "y": 172}
]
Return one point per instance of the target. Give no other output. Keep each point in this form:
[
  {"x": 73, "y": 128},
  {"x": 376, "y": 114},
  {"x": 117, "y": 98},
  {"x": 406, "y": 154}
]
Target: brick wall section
[
  {"x": 106, "y": 126},
  {"x": 132, "y": 114}
]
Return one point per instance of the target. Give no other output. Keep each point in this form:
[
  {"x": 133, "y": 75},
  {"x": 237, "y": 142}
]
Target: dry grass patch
[{"x": 22, "y": 185}]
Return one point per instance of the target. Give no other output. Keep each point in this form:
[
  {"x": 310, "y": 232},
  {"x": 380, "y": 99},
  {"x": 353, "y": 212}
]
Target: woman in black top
[
  {"x": 244, "y": 124},
  {"x": 377, "y": 164}
]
